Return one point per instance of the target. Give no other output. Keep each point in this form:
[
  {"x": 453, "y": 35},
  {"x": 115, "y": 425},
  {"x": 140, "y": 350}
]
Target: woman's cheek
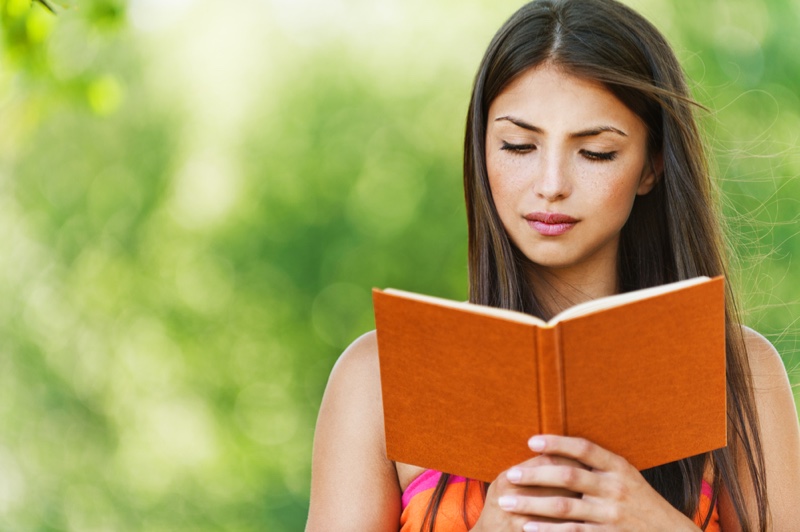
[{"x": 509, "y": 177}]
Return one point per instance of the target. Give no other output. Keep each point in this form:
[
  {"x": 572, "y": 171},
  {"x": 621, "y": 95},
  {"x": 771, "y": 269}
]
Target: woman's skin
[{"x": 555, "y": 145}]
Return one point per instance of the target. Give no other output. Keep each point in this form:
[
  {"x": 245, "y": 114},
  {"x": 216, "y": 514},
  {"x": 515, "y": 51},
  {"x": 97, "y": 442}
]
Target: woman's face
[{"x": 565, "y": 159}]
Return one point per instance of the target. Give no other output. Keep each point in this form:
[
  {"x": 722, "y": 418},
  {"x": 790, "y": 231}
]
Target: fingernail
[
  {"x": 536, "y": 443},
  {"x": 507, "y": 502},
  {"x": 530, "y": 527},
  {"x": 514, "y": 474}
]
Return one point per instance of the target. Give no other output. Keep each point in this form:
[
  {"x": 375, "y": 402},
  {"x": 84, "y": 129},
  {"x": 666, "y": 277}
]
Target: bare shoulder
[
  {"x": 773, "y": 391},
  {"x": 779, "y": 429},
  {"x": 354, "y": 391},
  {"x": 359, "y": 361},
  {"x": 354, "y": 386},
  {"x": 353, "y": 485},
  {"x": 766, "y": 364}
]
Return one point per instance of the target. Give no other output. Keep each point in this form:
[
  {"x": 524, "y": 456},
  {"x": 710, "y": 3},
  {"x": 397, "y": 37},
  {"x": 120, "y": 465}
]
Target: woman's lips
[{"x": 550, "y": 223}]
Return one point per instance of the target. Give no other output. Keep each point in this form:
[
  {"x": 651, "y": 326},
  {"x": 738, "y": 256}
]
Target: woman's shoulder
[
  {"x": 350, "y": 471},
  {"x": 770, "y": 381},
  {"x": 360, "y": 359},
  {"x": 778, "y": 425},
  {"x": 354, "y": 384},
  {"x": 764, "y": 360}
]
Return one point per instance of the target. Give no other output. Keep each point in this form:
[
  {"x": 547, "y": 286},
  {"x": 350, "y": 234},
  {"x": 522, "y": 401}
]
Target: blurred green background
[{"x": 196, "y": 198}]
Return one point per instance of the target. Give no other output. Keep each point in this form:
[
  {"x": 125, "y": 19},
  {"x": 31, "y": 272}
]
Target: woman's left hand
[{"x": 615, "y": 495}]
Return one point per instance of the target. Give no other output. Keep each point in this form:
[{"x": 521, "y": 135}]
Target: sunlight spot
[
  {"x": 156, "y": 15},
  {"x": 206, "y": 190}
]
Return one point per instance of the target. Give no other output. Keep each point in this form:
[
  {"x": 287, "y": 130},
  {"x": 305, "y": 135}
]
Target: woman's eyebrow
[
  {"x": 591, "y": 132},
  {"x": 598, "y": 130},
  {"x": 520, "y": 123}
]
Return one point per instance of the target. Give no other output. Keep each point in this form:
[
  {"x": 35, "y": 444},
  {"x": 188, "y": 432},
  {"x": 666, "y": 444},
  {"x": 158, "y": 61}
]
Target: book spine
[{"x": 552, "y": 412}]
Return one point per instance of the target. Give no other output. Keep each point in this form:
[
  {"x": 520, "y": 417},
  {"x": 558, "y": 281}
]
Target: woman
[{"x": 584, "y": 176}]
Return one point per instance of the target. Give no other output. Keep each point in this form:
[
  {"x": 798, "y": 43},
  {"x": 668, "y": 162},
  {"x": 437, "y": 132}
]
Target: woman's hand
[
  {"x": 615, "y": 495},
  {"x": 494, "y": 518}
]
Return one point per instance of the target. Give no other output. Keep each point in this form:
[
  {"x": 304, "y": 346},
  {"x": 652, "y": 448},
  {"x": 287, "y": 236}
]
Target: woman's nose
[{"x": 553, "y": 182}]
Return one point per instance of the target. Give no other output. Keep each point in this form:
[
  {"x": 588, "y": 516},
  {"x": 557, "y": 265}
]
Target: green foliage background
[{"x": 196, "y": 198}]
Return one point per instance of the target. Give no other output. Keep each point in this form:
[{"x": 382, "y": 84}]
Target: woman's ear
[{"x": 651, "y": 174}]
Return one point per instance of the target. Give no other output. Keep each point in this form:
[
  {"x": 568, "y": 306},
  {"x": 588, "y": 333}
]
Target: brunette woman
[{"x": 584, "y": 176}]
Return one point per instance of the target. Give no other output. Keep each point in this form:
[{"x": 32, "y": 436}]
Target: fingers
[
  {"x": 525, "y": 484},
  {"x": 560, "y": 508},
  {"x": 538, "y": 526},
  {"x": 551, "y": 459},
  {"x": 569, "y": 482},
  {"x": 571, "y": 478},
  {"x": 580, "y": 449}
]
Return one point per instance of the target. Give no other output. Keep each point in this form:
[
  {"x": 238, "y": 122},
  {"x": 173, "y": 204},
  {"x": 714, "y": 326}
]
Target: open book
[{"x": 465, "y": 386}]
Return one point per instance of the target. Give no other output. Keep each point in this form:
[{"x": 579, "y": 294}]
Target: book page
[
  {"x": 617, "y": 300},
  {"x": 511, "y": 315}
]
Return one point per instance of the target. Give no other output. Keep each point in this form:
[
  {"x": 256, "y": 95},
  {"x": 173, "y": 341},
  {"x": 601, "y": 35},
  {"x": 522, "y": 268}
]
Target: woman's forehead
[{"x": 553, "y": 100}]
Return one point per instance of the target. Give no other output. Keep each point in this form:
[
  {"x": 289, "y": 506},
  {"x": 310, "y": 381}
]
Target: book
[{"x": 464, "y": 386}]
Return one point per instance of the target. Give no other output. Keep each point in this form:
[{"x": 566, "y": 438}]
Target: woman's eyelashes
[
  {"x": 599, "y": 155},
  {"x": 518, "y": 148},
  {"x": 591, "y": 155}
]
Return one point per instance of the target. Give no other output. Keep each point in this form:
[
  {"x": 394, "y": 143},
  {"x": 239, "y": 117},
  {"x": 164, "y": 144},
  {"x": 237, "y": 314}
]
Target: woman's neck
[{"x": 559, "y": 289}]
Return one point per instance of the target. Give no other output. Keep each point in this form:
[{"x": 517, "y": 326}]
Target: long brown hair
[{"x": 605, "y": 41}]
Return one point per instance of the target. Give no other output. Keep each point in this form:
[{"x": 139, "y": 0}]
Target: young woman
[{"x": 584, "y": 176}]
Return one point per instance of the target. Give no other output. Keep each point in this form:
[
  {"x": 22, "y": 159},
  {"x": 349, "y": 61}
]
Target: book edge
[
  {"x": 466, "y": 306},
  {"x": 619, "y": 300}
]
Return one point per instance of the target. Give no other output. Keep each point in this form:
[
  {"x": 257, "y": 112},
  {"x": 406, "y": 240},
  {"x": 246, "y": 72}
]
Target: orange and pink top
[{"x": 468, "y": 501}]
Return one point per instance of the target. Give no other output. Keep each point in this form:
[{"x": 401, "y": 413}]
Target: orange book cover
[{"x": 465, "y": 386}]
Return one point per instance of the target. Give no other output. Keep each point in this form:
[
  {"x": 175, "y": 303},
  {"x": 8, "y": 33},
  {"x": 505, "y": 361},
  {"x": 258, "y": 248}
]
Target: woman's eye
[
  {"x": 599, "y": 156},
  {"x": 517, "y": 148}
]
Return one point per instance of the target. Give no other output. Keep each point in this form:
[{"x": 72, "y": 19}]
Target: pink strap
[
  {"x": 707, "y": 490},
  {"x": 426, "y": 481}
]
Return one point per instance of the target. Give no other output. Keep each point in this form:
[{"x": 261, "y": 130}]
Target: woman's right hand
[{"x": 496, "y": 519}]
